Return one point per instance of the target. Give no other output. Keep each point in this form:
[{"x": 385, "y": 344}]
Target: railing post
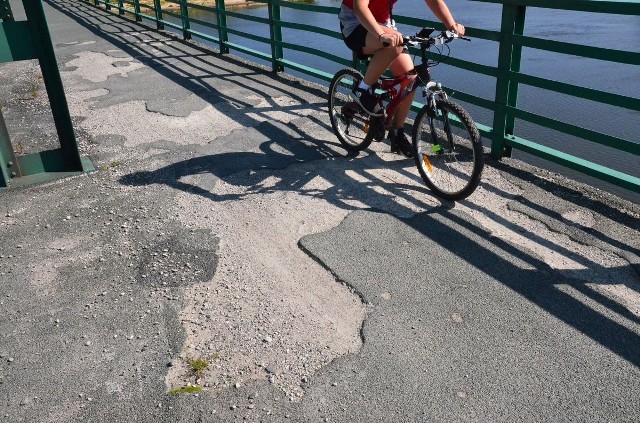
[
  {"x": 120, "y": 8},
  {"x": 136, "y": 9},
  {"x": 158, "y": 9},
  {"x": 222, "y": 27},
  {"x": 507, "y": 90},
  {"x": 186, "y": 26},
  {"x": 276, "y": 35},
  {"x": 107, "y": 5}
]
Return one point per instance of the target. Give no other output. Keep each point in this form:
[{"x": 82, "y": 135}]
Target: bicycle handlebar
[{"x": 443, "y": 38}]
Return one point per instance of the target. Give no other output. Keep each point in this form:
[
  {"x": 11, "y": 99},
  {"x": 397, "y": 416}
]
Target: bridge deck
[{"x": 226, "y": 226}]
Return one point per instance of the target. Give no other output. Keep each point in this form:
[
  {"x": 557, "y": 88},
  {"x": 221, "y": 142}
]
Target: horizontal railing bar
[
  {"x": 202, "y": 35},
  {"x": 309, "y": 50},
  {"x": 470, "y": 66},
  {"x": 616, "y": 7},
  {"x": 203, "y": 23},
  {"x": 577, "y": 91},
  {"x": 609, "y": 55},
  {"x": 201, "y": 7},
  {"x": 171, "y": 24},
  {"x": 306, "y": 69},
  {"x": 310, "y": 7},
  {"x": 311, "y": 28},
  {"x": 472, "y": 99},
  {"x": 249, "y": 36},
  {"x": 584, "y": 133},
  {"x": 576, "y": 163},
  {"x": 174, "y": 15},
  {"x": 245, "y": 17},
  {"x": 247, "y": 50}
]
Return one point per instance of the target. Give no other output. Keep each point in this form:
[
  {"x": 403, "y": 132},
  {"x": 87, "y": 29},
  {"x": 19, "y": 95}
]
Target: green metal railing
[{"x": 503, "y": 105}]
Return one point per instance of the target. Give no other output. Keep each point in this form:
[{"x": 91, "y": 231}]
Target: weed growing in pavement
[
  {"x": 198, "y": 366},
  {"x": 189, "y": 389}
]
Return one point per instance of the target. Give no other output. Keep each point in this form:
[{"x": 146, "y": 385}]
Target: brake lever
[{"x": 450, "y": 35}]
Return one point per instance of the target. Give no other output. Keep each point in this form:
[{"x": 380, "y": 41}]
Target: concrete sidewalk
[{"x": 228, "y": 246}]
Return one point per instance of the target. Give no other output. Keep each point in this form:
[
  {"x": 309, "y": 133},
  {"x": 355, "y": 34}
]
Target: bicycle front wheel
[
  {"x": 447, "y": 150},
  {"x": 349, "y": 122}
]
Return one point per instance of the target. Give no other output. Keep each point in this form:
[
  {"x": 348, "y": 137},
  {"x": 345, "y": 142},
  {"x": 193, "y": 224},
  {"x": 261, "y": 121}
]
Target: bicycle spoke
[
  {"x": 347, "y": 120},
  {"x": 449, "y": 152}
]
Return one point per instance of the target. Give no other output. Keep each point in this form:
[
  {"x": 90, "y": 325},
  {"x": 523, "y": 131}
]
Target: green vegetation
[
  {"x": 189, "y": 389},
  {"x": 110, "y": 166},
  {"x": 198, "y": 366}
]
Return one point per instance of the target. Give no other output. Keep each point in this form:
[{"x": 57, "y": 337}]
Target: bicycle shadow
[{"x": 273, "y": 148}]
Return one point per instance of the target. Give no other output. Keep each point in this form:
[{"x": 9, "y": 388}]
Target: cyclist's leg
[
  {"x": 382, "y": 57},
  {"x": 402, "y": 65}
]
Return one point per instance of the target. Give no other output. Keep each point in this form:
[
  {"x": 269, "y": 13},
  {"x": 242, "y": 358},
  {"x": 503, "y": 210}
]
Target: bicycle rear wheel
[
  {"x": 447, "y": 150},
  {"x": 349, "y": 122}
]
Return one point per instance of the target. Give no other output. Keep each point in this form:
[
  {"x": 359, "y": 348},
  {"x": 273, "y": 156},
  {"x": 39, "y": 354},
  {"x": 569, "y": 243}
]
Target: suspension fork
[{"x": 432, "y": 92}]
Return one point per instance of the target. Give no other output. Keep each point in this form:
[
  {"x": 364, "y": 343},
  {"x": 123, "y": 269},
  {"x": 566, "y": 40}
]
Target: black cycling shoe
[
  {"x": 367, "y": 100},
  {"x": 400, "y": 143}
]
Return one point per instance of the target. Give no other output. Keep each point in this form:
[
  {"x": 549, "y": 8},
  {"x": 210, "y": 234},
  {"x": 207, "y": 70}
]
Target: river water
[{"x": 606, "y": 31}]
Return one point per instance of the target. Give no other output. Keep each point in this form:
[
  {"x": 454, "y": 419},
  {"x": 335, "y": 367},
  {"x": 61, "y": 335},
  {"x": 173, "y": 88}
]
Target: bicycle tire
[
  {"x": 448, "y": 150},
  {"x": 350, "y": 124}
]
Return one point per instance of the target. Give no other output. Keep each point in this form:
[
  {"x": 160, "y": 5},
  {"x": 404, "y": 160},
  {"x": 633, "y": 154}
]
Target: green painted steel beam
[
  {"x": 53, "y": 82},
  {"x": 16, "y": 42},
  {"x": 9, "y": 167},
  {"x": 6, "y": 14}
]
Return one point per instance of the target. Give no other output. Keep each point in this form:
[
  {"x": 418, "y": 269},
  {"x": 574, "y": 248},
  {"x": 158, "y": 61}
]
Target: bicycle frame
[
  {"x": 396, "y": 95},
  {"x": 419, "y": 75}
]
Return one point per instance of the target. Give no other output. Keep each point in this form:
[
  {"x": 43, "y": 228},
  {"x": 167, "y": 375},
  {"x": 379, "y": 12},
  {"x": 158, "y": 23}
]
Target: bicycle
[{"x": 450, "y": 163}]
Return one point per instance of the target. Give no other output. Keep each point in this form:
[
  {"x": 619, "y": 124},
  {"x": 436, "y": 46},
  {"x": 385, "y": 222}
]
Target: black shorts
[{"x": 356, "y": 40}]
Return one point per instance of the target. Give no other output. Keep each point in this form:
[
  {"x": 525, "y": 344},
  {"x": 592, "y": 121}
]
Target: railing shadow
[
  {"x": 196, "y": 73},
  {"x": 539, "y": 285}
]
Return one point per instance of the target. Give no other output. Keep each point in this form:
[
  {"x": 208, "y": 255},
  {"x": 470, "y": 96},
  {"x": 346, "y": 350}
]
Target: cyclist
[{"x": 367, "y": 26}]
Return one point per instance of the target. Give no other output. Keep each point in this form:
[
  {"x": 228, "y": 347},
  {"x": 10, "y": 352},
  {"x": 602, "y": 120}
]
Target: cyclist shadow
[{"x": 271, "y": 147}]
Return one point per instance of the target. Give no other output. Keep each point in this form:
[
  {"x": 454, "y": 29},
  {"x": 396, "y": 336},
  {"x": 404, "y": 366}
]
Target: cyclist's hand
[
  {"x": 459, "y": 29},
  {"x": 392, "y": 39}
]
